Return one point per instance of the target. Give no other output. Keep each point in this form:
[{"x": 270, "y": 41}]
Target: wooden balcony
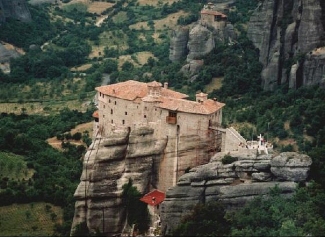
[{"x": 171, "y": 120}]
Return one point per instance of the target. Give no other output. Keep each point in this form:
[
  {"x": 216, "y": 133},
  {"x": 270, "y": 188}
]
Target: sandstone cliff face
[
  {"x": 139, "y": 154},
  {"x": 234, "y": 184},
  {"x": 17, "y": 9},
  {"x": 282, "y": 30}
]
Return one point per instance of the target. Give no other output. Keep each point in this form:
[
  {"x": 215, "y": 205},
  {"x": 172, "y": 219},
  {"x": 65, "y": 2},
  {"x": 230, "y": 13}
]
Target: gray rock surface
[
  {"x": 201, "y": 42},
  {"x": 137, "y": 153},
  {"x": 17, "y": 9},
  {"x": 178, "y": 44},
  {"x": 234, "y": 184},
  {"x": 291, "y": 166},
  {"x": 7, "y": 54},
  {"x": 283, "y": 30},
  {"x": 108, "y": 165}
]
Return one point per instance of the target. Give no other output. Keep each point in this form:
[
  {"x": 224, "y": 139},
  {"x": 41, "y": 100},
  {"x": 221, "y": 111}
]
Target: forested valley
[{"x": 50, "y": 90}]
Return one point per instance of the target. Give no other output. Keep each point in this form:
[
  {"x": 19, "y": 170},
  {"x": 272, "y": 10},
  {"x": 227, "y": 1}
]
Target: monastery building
[
  {"x": 211, "y": 17},
  {"x": 133, "y": 103}
]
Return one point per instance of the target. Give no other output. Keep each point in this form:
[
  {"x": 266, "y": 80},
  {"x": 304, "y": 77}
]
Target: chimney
[
  {"x": 166, "y": 85},
  {"x": 201, "y": 97}
]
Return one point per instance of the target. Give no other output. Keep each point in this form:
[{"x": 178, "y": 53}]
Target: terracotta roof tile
[
  {"x": 169, "y": 99},
  {"x": 187, "y": 106},
  {"x": 153, "y": 198},
  {"x": 130, "y": 90}
]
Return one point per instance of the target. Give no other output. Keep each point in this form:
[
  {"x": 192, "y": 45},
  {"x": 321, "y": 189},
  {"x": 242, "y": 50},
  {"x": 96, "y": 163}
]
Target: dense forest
[{"x": 55, "y": 45}]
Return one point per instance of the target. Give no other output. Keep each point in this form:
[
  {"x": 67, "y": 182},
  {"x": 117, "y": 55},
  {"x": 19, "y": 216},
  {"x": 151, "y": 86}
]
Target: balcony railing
[{"x": 171, "y": 120}]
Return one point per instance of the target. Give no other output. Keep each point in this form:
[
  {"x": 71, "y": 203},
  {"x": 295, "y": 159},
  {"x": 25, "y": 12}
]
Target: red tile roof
[
  {"x": 95, "y": 114},
  {"x": 153, "y": 198},
  {"x": 169, "y": 99},
  {"x": 130, "y": 90},
  {"x": 187, "y": 106}
]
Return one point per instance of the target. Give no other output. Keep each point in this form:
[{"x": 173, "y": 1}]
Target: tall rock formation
[
  {"x": 178, "y": 44},
  {"x": 283, "y": 31},
  {"x": 198, "y": 39},
  {"x": 233, "y": 184},
  {"x": 17, "y": 9},
  {"x": 139, "y": 154},
  {"x": 201, "y": 42}
]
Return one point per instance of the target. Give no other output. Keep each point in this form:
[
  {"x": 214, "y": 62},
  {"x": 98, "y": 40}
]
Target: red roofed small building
[
  {"x": 212, "y": 18},
  {"x": 153, "y": 198},
  {"x": 132, "y": 104}
]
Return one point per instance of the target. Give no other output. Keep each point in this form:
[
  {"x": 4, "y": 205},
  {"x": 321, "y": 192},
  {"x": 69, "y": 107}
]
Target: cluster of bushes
[
  {"x": 275, "y": 215},
  {"x": 56, "y": 174}
]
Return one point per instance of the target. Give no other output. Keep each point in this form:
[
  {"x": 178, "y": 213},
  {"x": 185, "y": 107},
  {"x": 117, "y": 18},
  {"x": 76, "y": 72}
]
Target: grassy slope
[
  {"x": 13, "y": 167},
  {"x": 33, "y": 219}
]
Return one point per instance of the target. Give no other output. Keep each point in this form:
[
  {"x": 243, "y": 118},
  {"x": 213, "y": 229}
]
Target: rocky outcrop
[
  {"x": 192, "y": 68},
  {"x": 17, "y": 9},
  {"x": 178, "y": 44},
  {"x": 283, "y": 30},
  {"x": 109, "y": 164},
  {"x": 291, "y": 166},
  {"x": 201, "y": 42},
  {"x": 234, "y": 184},
  {"x": 151, "y": 161},
  {"x": 313, "y": 68},
  {"x": 198, "y": 39},
  {"x": 7, "y": 53}
]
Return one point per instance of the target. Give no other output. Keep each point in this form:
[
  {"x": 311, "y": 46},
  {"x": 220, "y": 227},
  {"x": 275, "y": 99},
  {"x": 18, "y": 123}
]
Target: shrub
[{"x": 228, "y": 159}]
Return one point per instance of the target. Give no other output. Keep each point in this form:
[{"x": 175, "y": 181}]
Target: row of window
[{"x": 145, "y": 116}]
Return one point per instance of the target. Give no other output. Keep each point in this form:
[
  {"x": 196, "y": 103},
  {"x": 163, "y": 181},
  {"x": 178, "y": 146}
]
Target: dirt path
[{"x": 55, "y": 143}]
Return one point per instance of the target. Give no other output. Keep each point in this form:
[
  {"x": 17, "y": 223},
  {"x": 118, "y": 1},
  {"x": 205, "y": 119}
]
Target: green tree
[
  {"x": 204, "y": 220},
  {"x": 137, "y": 212},
  {"x": 276, "y": 215}
]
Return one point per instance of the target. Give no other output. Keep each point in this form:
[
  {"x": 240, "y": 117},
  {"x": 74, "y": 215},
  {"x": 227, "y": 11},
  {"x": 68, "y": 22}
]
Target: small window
[
  {"x": 144, "y": 116},
  {"x": 115, "y": 102},
  {"x": 104, "y": 106},
  {"x": 112, "y": 121},
  {"x": 100, "y": 93},
  {"x": 171, "y": 114},
  {"x": 109, "y": 100},
  {"x": 111, "y": 111},
  {"x": 103, "y": 115},
  {"x": 126, "y": 113},
  {"x": 123, "y": 121}
]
